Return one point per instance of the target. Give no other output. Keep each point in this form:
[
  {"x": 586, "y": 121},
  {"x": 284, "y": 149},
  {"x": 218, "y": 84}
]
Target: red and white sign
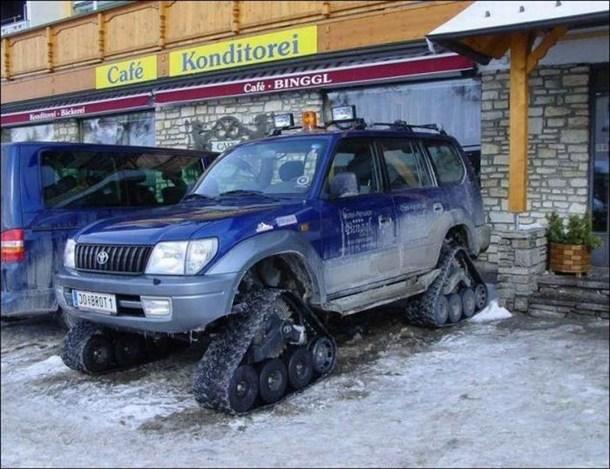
[
  {"x": 325, "y": 78},
  {"x": 78, "y": 110}
]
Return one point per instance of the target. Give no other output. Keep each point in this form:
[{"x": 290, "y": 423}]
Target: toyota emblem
[{"x": 102, "y": 257}]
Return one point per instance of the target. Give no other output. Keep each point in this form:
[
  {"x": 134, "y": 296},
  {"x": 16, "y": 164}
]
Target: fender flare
[{"x": 241, "y": 257}]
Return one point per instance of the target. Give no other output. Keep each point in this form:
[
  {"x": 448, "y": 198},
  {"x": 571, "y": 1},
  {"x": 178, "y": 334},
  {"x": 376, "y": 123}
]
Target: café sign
[
  {"x": 126, "y": 73},
  {"x": 251, "y": 50}
]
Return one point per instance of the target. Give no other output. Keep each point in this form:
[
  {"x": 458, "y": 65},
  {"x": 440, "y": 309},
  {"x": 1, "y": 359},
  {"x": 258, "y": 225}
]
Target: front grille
[{"x": 120, "y": 259}]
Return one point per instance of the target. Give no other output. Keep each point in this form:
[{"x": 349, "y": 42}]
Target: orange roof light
[{"x": 310, "y": 120}]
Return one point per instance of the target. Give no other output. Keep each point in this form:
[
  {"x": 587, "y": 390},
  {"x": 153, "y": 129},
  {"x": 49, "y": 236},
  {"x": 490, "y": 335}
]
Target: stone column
[{"x": 521, "y": 258}]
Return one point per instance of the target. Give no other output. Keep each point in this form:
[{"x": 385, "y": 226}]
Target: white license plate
[{"x": 99, "y": 302}]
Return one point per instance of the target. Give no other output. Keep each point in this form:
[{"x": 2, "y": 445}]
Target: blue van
[{"x": 51, "y": 190}]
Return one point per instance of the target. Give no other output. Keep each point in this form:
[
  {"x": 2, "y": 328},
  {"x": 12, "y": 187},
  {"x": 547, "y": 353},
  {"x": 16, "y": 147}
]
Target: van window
[
  {"x": 81, "y": 179},
  {"x": 405, "y": 164},
  {"x": 447, "y": 163}
]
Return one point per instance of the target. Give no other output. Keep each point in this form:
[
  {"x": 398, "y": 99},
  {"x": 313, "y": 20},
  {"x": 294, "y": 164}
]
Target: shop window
[
  {"x": 30, "y": 133},
  {"x": 126, "y": 129},
  {"x": 82, "y": 179},
  {"x": 447, "y": 164}
]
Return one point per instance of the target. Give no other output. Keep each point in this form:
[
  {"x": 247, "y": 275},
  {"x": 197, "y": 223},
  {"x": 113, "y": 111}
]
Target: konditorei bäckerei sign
[
  {"x": 251, "y": 50},
  {"x": 126, "y": 73}
]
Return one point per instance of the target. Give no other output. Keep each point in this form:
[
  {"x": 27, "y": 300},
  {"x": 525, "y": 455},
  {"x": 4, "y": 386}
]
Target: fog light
[
  {"x": 343, "y": 113},
  {"x": 156, "y": 307},
  {"x": 283, "y": 121}
]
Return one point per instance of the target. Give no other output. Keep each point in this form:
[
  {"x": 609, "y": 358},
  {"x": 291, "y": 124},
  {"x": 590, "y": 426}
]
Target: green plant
[{"x": 579, "y": 230}]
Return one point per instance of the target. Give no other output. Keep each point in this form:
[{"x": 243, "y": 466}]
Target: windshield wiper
[
  {"x": 242, "y": 192},
  {"x": 194, "y": 195}
]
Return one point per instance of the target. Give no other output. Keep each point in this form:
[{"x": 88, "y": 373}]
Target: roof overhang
[{"x": 481, "y": 30}]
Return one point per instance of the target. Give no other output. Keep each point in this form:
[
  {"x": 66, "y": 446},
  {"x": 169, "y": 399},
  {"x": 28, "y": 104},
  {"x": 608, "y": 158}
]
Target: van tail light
[{"x": 12, "y": 245}]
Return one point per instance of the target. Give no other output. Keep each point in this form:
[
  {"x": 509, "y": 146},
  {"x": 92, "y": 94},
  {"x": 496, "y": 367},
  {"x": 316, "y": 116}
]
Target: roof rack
[{"x": 402, "y": 125}]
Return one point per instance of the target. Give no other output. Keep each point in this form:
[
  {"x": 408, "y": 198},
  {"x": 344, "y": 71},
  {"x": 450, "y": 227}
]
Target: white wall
[{"x": 41, "y": 12}]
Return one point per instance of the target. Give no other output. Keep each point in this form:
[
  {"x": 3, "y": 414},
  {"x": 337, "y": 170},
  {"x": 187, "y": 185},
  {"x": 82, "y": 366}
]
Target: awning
[
  {"x": 414, "y": 62},
  {"x": 477, "y": 31}
]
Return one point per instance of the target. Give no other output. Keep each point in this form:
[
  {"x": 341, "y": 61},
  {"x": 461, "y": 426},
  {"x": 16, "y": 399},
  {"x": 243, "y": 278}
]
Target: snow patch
[{"x": 493, "y": 312}]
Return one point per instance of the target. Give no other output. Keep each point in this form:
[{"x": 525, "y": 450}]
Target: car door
[
  {"x": 358, "y": 228},
  {"x": 416, "y": 201}
]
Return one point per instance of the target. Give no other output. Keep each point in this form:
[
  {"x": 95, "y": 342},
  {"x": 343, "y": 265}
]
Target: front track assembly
[
  {"x": 273, "y": 348},
  {"x": 456, "y": 294}
]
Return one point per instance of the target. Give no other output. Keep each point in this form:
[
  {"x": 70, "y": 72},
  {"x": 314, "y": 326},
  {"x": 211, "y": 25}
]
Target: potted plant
[{"x": 571, "y": 245}]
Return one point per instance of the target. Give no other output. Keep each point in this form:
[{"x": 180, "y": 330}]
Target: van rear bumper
[{"x": 28, "y": 303}]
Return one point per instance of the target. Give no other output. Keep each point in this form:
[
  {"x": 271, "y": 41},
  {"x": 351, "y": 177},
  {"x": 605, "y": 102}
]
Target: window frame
[
  {"x": 415, "y": 145},
  {"x": 455, "y": 148},
  {"x": 378, "y": 170}
]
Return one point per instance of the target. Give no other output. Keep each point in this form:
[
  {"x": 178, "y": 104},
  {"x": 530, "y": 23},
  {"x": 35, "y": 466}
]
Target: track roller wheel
[
  {"x": 98, "y": 354},
  {"x": 158, "y": 347},
  {"x": 130, "y": 350},
  {"x": 480, "y": 296},
  {"x": 441, "y": 310},
  {"x": 243, "y": 389},
  {"x": 455, "y": 307},
  {"x": 272, "y": 380},
  {"x": 468, "y": 302},
  {"x": 324, "y": 355},
  {"x": 300, "y": 368}
]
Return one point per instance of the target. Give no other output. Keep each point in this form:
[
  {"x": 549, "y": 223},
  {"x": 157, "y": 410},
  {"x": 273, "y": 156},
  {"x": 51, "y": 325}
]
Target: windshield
[{"x": 266, "y": 167}]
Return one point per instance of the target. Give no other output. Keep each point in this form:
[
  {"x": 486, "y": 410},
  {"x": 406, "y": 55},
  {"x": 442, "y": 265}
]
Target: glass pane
[
  {"x": 355, "y": 156},
  {"x": 80, "y": 179},
  {"x": 127, "y": 129},
  {"x": 447, "y": 164},
  {"x": 405, "y": 165},
  {"x": 600, "y": 165},
  {"x": 455, "y": 105},
  {"x": 30, "y": 133}
]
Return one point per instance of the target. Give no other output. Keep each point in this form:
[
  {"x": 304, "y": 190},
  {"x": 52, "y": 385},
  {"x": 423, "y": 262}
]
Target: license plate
[{"x": 99, "y": 302}]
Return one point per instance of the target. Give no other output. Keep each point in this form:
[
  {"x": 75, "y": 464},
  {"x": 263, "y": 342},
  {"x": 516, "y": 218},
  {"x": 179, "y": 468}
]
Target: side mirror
[{"x": 343, "y": 184}]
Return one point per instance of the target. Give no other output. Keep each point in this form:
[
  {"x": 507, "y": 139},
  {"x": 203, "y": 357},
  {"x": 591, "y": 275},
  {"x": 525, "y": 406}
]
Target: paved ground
[{"x": 513, "y": 392}]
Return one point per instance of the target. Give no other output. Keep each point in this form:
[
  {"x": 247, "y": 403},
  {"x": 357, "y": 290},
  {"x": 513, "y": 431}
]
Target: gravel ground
[{"x": 512, "y": 392}]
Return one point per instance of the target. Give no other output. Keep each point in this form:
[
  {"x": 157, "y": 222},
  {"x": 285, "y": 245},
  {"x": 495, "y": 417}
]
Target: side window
[
  {"x": 354, "y": 157},
  {"x": 446, "y": 161},
  {"x": 405, "y": 164}
]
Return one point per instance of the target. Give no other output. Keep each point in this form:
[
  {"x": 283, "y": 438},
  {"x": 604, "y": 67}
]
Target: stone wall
[
  {"x": 558, "y": 146},
  {"x": 176, "y": 124}
]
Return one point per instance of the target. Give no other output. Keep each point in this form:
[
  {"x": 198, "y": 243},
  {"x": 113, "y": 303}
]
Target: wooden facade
[{"x": 60, "y": 58}]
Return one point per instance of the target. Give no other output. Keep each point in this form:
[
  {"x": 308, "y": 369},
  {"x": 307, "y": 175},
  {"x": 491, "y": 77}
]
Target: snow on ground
[
  {"x": 493, "y": 312},
  {"x": 512, "y": 392}
]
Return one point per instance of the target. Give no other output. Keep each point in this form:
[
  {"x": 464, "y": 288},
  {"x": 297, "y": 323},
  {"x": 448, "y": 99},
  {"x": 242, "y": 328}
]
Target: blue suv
[
  {"x": 51, "y": 190},
  {"x": 276, "y": 234}
]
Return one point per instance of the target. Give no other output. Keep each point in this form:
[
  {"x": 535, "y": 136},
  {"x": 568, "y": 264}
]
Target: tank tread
[
  {"x": 420, "y": 310},
  {"x": 74, "y": 344},
  {"x": 228, "y": 350}
]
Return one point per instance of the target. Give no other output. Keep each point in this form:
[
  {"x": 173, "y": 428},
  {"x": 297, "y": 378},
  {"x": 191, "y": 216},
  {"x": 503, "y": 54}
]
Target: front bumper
[{"x": 196, "y": 300}]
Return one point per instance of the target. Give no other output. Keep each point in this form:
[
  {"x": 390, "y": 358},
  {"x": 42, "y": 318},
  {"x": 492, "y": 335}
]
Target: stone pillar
[{"x": 521, "y": 258}]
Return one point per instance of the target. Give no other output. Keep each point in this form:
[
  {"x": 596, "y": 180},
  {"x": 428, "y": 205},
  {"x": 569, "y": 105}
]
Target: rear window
[
  {"x": 81, "y": 179},
  {"x": 405, "y": 165},
  {"x": 446, "y": 161}
]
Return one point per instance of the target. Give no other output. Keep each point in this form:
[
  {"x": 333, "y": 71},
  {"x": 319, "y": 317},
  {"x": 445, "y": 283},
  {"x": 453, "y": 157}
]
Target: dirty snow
[
  {"x": 511, "y": 392},
  {"x": 493, "y": 312}
]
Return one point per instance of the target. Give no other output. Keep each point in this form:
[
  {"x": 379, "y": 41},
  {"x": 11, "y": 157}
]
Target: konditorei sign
[
  {"x": 251, "y": 50},
  {"x": 126, "y": 73}
]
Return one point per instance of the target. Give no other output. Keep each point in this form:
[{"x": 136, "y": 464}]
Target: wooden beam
[
  {"x": 49, "y": 49},
  {"x": 547, "y": 42},
  {"x": 100, "y": 36},
  {"x": 517, "y": 182},
  {"x": 236, "y": 14},
  {"x": 162, "y": 22},
  {"x": 7, "y": 58}
]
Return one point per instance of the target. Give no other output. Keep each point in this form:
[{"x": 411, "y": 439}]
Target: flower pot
[{"x": 570, "y": 258}]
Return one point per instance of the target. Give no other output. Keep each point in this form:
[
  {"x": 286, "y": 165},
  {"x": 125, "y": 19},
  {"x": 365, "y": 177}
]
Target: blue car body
[
  {"x": 27, "y": 285},
  {"x": 345, "y": 246}
]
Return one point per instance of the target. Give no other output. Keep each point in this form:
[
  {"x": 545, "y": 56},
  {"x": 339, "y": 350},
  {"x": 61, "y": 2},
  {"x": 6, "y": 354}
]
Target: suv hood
[{"x": 182, "y": 222}]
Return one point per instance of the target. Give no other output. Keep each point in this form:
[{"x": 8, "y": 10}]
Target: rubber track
[
  {"x": 420, "y": 311},
  {"x": 74, "y": 344},
  {"x": 225, "y": 353}
]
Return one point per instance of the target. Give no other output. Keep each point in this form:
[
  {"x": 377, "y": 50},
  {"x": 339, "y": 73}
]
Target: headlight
[
  {"x": 69, "y": 254},
  {"x": 181, "y": 257}
]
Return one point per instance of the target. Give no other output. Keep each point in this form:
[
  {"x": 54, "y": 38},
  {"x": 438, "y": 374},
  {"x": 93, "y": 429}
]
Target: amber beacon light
[{"x": 309, "y": 120}]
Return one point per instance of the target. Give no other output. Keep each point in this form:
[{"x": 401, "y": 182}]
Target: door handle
[{"x": 437, "y": 207}]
